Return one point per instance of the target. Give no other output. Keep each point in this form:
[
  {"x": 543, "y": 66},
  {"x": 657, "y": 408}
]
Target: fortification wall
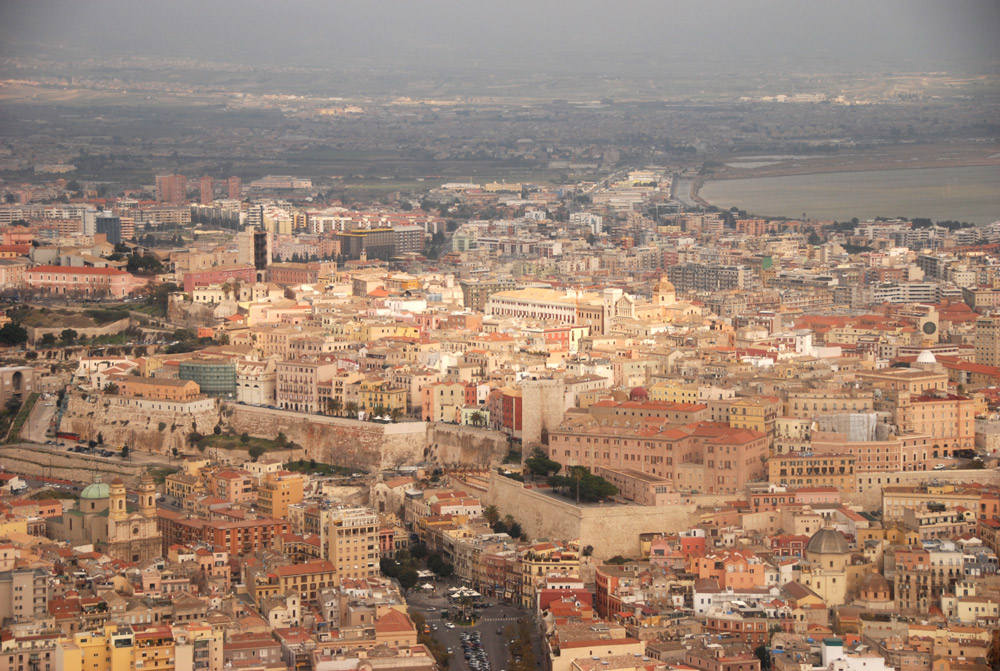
[
  {"x": 456, "y": 445},
  {"x": 35, "y": 333},
  {"x": 611, "y": 529},
  {"x": 68, "y": 465},
  {"x": 137, "y": 422},
  {"x": 185, "y": 313},
  {"x": 367, "y": 446},
  {"x": 333, "y": 440}
]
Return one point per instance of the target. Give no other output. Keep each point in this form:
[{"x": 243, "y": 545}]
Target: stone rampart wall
[
  {"x": 368, "y": 446},
  {"x": 35, "y": 333},
  {"x": 68, "y": 465},
  {"x": 136, "y": 422},
  {"x": 611, "y": 529},
  {"x": 456, "y": 445}
]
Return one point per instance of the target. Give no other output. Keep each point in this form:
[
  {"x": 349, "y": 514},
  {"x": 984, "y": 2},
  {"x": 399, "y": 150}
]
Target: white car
[{"x": 449, "y": 625}]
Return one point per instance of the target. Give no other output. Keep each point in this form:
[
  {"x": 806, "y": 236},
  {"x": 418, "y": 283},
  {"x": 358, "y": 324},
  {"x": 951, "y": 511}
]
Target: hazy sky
[{"x": 516, "y": 35}]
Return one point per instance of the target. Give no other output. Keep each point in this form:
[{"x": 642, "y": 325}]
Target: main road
[{"x": 492, "y": 619}]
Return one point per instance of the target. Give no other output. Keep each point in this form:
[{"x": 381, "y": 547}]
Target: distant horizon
[{"x": 561, "y": 38}]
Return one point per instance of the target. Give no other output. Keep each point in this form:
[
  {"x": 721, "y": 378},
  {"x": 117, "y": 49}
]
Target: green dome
[{"x": 98, "y": 490}]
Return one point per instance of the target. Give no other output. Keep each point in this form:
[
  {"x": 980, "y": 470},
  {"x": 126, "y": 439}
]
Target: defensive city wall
[
  {"x": 160, "y": 426},
  {"x": 610, "y": 528},
  {"x": 67, "y": 466}
]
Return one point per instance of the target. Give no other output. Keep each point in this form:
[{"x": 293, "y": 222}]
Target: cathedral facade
[{"x": 102, "y": 517}]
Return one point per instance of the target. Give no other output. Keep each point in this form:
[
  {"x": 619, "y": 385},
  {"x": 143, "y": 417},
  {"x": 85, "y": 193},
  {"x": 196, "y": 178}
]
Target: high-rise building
[
  {"x": 128, "y": 227},
  {"x": 171, "y": 189},
  {"x": 235, "y": 187},
  {"x": 111, "y": 225},
  {"x": 205, "y": 191},
  {"x": 353, "y": 542},
  {"x": 90, "y": 222},
  {"x": 988, "y": 341}
]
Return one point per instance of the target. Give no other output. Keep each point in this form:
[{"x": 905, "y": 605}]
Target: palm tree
[
  {"x": 395, "y": 414},
  {"x": 351, "y": 409},
  {"x": 509, "y": 520},
  {"x": 334, "y": 406},
  {"x": 478, "y": 418},
  {"x": 492, "y": 514}
]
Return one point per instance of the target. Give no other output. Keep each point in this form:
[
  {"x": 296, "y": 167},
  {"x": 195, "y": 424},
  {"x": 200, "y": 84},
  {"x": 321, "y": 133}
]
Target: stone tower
[
  {"x": 117, "y": 509},
  {"x": 147, "y": 496}
]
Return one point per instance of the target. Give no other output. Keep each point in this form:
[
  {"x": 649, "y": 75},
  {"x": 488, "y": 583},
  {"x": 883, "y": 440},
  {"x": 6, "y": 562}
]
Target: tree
[
  {"x": 418, "y": 551},
  {"x": 125, "y": 451},
  {"x": 583, "y": 485},
  {"x": 256, "y": 451},
  {"x": 439, "y": 566},
  {"x": 161, "y": 294},
  {"x": 244, "y": 437},
  {"x": 815, "y": 239},
  {"x": 478, "y": 418},
  {"x": 351, "y": 409},
  {"x": 13, "y": 334},
  {"x": 333, "y": 406},
  {"x": 395, "y": 414},
  {"x": 100, "y": 438},
  {"x": 764, "y": 655},
  {"x": 48, "y": 340},
  {"x": 539, "y": 464},
  {"x": 111, "y": 388},
  {"x": 68, "y": 335},
  {"x": 491, "y": 514},
  {"x": 407, "y": 578},
  {"x": 144, "y": 265},
  {"x": 514, "y": 531}
]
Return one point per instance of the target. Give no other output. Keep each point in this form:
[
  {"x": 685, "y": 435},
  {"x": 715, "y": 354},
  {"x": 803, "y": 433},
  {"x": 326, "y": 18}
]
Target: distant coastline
[{"x": 959, "y": 193}]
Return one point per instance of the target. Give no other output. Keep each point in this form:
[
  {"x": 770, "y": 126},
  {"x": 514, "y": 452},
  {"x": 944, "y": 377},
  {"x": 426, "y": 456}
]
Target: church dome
[
  {"x": 875, "y": 582},
  {"x": 926, "y": 356},
  {"x": 98, "y": 490},
  {"x": 827, "y": 542},
  {"x": 665, "y": 286}
]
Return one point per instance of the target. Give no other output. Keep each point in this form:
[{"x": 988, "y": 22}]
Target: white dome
[{"x": 927, "y": 356}]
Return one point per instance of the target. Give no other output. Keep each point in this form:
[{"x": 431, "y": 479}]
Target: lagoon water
[{"x": 961, "y": 194}]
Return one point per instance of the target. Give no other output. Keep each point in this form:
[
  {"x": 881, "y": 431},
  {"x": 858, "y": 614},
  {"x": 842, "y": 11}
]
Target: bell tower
[
  {"x": 147, "y": 496},
  {"x": 117, "y": 509}
]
